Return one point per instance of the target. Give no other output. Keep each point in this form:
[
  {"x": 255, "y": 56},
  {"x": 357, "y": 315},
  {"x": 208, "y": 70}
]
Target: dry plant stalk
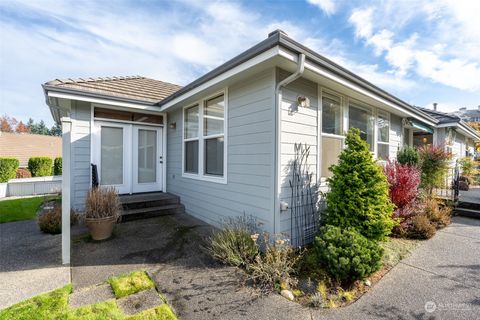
[{"x": 102, "y": 202}]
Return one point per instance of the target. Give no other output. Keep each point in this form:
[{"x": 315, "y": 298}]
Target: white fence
[{"x": 31, "y": 186}]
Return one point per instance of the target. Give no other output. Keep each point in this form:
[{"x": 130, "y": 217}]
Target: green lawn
[
  {"x": 19, "y": 209},
  {"x": 54, "y": 305},
  {"x": 131, "y": 283}
]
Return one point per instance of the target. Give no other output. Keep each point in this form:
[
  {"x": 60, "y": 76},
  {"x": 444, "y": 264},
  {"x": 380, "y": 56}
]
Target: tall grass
[{"x": 102, "y": 202}]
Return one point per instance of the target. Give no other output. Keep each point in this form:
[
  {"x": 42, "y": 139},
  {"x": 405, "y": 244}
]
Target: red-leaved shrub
[
  {"x": 403, "y": 183},
  {"x": 23, "y": 173}
]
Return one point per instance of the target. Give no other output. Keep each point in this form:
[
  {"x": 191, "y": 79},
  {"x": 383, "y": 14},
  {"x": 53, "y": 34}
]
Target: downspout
[{"x": 278, "y": 122}]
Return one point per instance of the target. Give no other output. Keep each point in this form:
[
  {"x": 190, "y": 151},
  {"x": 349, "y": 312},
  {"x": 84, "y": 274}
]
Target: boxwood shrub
[
  {"x": 8, "y": 169},
  {"x": 57, "y": 166},
  {"x": 40, "y": 166},
  {"x": 346, "y": 254}
]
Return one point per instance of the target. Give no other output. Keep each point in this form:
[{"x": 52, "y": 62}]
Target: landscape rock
[
  {"x": 368, "y": 283},
  {"x": 287, "y": 294}
]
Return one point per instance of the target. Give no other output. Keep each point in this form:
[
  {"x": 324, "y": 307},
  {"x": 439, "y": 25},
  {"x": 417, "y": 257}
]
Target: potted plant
[{"x": 102, "y": 211}]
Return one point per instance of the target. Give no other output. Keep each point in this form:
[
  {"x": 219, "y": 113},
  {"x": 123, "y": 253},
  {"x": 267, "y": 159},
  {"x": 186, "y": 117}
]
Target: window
[
  {"x": 383, "y": 135},
  {"x": 213, "y": 124},
  {"x": 191, "y": 139},
  {"x": 362, "y": 119},
  {"x": 204, "y": 139},
  {"x": 331, "y": 115},
  {"x": 331, "y": 149}
]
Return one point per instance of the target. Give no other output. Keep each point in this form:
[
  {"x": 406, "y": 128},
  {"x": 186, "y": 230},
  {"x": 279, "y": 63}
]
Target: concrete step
[
  {"x": 150, "y": 212},
  {"x": 471, "y": 213}
]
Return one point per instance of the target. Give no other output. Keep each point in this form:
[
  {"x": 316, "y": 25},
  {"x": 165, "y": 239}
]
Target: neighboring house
[
  {"x": 457, "y": 136},
  {"x": 224, "y": 143},
  {"x": 23, "y": 146},
  {"x": 468, "y": 115}
]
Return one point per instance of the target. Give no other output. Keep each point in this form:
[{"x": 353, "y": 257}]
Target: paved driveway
[{"x": 30, "y": 262}]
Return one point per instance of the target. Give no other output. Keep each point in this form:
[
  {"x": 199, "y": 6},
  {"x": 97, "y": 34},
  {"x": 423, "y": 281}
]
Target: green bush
[
  {"x": 358, "y": 194},
  {"x": 235, "y": 244},
  {"x": 408, "y": 155},
  {"x": 40, "y": 166},
  {"x": 57, "y": 166},
  {"x": 51, "y": 220},
  {"x": 8, "y": 169},
  {"x": 434, "y": 162},
  {"x": 346, "y": 254}
]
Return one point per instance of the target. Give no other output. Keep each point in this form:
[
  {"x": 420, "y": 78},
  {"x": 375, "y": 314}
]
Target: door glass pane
[
  {"x": 331, "y": 115},
  {"x": 214, "y": 156},
  {"x": 147, "y": 153},
  {"x": 214, "y": 116},
  {"x": 191, "y": 122},
  {"x": 111, "y": 155},
  {"x": 191, "y": 156},
  {"x": 363, "y": 120},
  {"x": 331, "y": 149}
]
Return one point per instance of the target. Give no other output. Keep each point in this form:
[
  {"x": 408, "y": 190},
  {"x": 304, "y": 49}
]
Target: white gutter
[{"x": 278, "y": 124}]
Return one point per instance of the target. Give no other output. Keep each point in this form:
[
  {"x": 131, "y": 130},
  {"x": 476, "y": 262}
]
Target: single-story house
[
  {"x": 224, "y": 143},
  {"x": 23, "y": 146}
]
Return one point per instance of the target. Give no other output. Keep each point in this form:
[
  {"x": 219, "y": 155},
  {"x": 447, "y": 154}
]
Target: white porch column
[{"x": 66, "y": 169}]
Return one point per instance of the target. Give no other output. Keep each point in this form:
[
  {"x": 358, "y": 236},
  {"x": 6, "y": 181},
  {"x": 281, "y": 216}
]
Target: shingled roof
[
  {"x": 442, "y": 117},
  {"x": 132, "y": 87}
]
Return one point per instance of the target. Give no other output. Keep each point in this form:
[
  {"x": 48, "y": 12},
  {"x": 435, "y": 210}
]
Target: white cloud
[
  {"x": 449, "y": 53},
  {"x": 328, "y": 6},
  {"x": 362, "y": 20}
]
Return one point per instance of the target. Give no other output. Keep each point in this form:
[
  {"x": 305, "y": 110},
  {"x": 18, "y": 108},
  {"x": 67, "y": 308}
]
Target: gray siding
[
  {"x": 298, "y": 125},
  {"x": 80, "y": 153},
  {"x": 396, "y": 135},
  {"x": 250, "y": 161}
]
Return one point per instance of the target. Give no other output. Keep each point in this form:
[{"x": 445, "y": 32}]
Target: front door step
[{"x": 148, "y": 205}]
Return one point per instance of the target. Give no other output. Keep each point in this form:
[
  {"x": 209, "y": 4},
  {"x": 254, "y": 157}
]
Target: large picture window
[
  {"x": 362, "y": 119},
  {"x": 204, "y": 139}
]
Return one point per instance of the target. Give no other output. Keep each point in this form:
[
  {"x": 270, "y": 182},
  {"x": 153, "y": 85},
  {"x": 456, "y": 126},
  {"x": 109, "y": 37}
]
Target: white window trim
[{"x": 201, "y": 140}]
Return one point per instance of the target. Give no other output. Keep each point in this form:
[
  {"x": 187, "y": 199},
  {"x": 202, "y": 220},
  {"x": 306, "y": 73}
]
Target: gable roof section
[
  {"x": 449, "y": 119},
  {"x": 135, "y": 88},
  {"x": 442, "y": 117},
  {"x": 279, "y": 38},
  {"x": 22, "y": 146}
]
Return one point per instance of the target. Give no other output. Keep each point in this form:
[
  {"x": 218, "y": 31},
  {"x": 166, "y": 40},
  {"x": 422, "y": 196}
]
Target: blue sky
[{"x": 420, "y": 51}]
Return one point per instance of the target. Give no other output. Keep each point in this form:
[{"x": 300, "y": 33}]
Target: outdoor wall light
[
  {"x": 303, "y": 101},
  {"x": 173, "y": 125}
]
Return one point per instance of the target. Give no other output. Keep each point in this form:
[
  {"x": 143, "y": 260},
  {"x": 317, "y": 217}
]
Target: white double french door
[{"x": 128, "y": 156}]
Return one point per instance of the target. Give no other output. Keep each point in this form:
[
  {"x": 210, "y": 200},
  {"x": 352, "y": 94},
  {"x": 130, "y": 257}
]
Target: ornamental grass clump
[
  {"x": 235, "y": 244},
  {"x": 276, "y": 266},
  {"x": 434, "y": 163},
  {"x": 358, "y": 196},
  {"x": 102, "y": 202}
]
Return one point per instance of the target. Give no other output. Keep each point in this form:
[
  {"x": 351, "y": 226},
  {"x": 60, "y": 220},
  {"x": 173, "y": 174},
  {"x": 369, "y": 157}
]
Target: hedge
[
  {"x": 8, "y": 169},
  {"x": 40, "y": 166},
  {"x": 57, "y": 166}
]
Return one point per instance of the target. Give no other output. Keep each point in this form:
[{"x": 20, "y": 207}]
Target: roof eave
[{"x": 95, "y": 95}]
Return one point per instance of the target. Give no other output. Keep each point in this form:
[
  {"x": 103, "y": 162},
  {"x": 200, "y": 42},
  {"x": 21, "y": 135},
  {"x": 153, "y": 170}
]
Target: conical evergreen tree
[{"x": 358, "y": 194}]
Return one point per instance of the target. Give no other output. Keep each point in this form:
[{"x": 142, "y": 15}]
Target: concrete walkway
[
  {"x": 442, "y": 274},
  {"x": 30, "y": 262}
]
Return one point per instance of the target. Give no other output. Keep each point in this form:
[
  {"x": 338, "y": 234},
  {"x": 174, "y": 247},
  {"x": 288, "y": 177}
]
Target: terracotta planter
[{"x": 101, "y": 228}]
